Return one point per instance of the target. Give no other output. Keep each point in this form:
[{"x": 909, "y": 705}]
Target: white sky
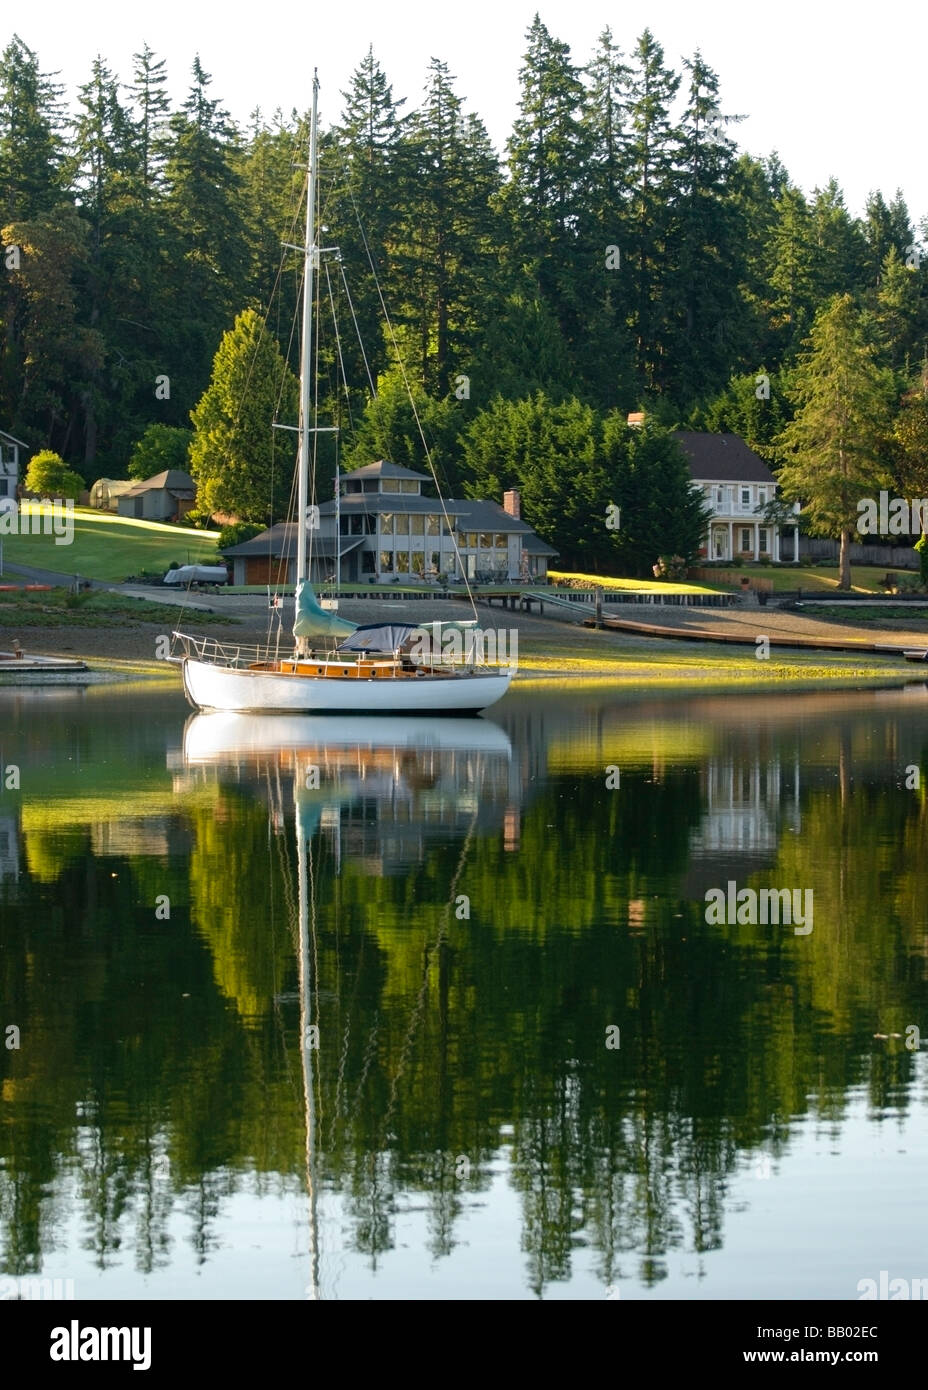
[{"x": 835, "y": 88}]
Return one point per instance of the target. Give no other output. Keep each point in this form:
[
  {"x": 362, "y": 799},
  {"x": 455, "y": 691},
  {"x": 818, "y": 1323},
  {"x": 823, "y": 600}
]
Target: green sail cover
[{"x": 312, "y": 621}]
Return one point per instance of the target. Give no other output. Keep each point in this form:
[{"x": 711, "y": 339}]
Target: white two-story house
[{"x": 736, "y": 484}]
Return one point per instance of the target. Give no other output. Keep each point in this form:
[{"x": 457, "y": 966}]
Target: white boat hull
[{"x": 213, "y": 687}]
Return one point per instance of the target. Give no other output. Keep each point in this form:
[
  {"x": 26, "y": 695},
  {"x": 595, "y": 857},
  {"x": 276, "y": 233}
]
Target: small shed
[{"x": 167, "y": 496}]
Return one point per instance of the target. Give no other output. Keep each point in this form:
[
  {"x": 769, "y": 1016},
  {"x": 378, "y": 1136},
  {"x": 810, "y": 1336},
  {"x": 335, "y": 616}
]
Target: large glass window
[
  {"x": 502, "y": 543},
  {"x": 418, "y": 561},
  {"x": 386, "y": 523},
  {"x": 434, "y": 561},
  {"x": 486, "y": 540},
  {"x": 745, "y": 496},
  {"x": 745, "y": 538},
  {"x": 367, "y": 562},
  {"x": 762, "y": 540},
  {"x": 417, "y": 525},
  {"x": 402, "y": 561},
  {"x": 401, "y": 524},
  {"x": 356, "y": 525},
  {"x": 409, "y": 485},
  {"x": 386, "y": 562},
  {"x": 431, "y": 524},
  {"x": 470, "y": 540}
]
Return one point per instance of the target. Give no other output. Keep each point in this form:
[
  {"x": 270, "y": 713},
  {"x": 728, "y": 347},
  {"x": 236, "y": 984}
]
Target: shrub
[{"x": 237, "y": 532}]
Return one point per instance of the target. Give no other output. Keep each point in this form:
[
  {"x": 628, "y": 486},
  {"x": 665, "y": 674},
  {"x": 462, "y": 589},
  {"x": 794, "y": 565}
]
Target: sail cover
[
  {"x": 379, "y": 637},
  {"x": 312, "y": 621}
]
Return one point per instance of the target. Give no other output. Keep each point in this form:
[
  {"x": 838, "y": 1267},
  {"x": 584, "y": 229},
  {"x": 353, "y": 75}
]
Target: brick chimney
[{"x": 512, "y": 503}]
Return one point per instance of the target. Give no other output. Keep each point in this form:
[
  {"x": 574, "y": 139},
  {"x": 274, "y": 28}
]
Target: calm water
[{"x": 322, "y": 1007}]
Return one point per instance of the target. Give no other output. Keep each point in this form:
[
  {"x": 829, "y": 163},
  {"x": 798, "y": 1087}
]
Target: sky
[{"x": 836, "y": 89}]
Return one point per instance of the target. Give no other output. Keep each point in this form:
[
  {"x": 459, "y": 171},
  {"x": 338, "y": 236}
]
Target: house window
[
  {"x": 470, "y": 540},
  {"x": 417, "y": 525},
  {"x": 761, "y": 496},
  {"x": 4, "y": 487},
  {"x": 745, "y": 497},
  {"x": 434, "y": 561},
  {"x": 745, "y": 538},
  {"x": 401, "y": 524},
  {"x": 418, "y": 562},
  {"x": 402, "y": 562},
  {"x": 367, "y": 562},
  {"x": 431, "y": 527},
  {"x": 386, "y": 523},
  {"x": 486, "y": 540},
  {"x": 719, "y": 496},
  {"x": 762, "y": 541},
  {"x": 386, "y": 562}
]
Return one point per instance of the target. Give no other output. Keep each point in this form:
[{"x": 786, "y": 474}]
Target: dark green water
[{"x": 419, "y": 1099}]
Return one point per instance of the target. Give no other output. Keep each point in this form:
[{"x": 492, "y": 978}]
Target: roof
[
  {"x": 384, "y": 469},
  {"x": 172, "y": 479},
  {"x": 374, "y": 503},
  {"x": 280, "y": 542},
  {"x": 487, "y": 516},
  {"x": 723, "y": 458},
  {"x": 534, "y": 545},
  {"x": 5, "y": 434}
]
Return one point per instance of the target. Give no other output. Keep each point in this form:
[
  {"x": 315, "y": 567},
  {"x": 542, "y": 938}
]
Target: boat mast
[{"x": 309, "y": 263}]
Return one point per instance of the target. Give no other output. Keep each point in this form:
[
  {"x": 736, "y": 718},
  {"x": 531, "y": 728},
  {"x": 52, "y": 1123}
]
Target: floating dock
[{"x": 18, "y": 668}]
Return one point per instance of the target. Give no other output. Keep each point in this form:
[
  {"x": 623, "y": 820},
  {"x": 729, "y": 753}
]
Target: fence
[{"x": 894, "y": 557}]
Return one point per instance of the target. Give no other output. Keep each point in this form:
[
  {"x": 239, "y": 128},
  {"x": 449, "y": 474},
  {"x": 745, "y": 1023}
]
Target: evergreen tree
[
  {"x": 446, "y": 268},
  {"x": 207, "y": 254},
  {"x": 834, "y": 450},
  {"x": 103, "y": 165},
  {"x": 152, "y": 107},
  {"x": 233, "y": 456},
  {"x": 524, "y": 444},
  {"x": 31, "y": 154},
  {"x": 706, "y": 244},
  {"x": 544, "y": 199},
  {"x": 791, "y": 272},
  {"x": 660, "y": 511},
  {"x": 653, "y": 151},
  {"x": 367, "y": 147}
]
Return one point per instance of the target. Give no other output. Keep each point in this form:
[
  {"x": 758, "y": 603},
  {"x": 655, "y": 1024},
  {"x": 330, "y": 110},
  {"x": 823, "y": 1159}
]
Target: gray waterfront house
[{"x": 388, "y": 531}]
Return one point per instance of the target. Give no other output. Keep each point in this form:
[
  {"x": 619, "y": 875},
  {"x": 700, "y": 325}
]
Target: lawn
[
  {"x": 565, "y": 579},
  {"x": 93, "y": 608},
  {"x": 865, "y": 579},
  {"x": 111, "y": 547}
]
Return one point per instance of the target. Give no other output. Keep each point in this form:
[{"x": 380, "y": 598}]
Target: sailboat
[{"x": 384, "y": 668}]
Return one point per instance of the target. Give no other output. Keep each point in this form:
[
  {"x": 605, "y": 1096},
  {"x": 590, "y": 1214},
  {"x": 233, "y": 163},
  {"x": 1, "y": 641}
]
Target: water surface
[{"x": 378, "y": 1066}]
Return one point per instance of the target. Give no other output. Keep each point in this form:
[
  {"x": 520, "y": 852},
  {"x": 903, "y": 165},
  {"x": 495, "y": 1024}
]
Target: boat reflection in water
[{"x": 439, "y": 769}]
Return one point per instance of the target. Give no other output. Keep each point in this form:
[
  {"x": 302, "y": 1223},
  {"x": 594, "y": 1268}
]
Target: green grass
[
  {"x": 112, "y": 547},
  {"x": 865, "y": 579},
  {"x": 911, "y": 615},
  {"x": 96, "y": 608},
  {"x": 648, "y": 586}
]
